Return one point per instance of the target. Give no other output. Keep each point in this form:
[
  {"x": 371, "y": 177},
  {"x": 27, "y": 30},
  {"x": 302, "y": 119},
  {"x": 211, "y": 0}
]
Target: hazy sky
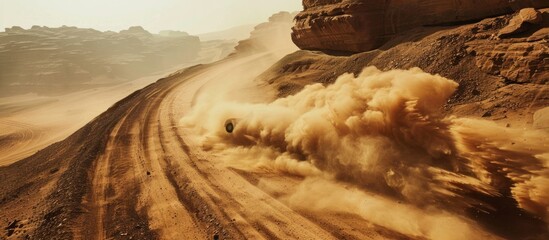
[{"x": 193, "y": 16}]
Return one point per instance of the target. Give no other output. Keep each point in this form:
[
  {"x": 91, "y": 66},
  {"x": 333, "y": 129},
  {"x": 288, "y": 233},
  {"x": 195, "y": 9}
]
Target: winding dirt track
[{"x": 152, "y": 174}]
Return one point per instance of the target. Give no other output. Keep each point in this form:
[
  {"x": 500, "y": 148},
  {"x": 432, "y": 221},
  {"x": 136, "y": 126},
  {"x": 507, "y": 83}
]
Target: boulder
[
  {"x": 530, "y": 15},
  {"x": 363, "y": 25},
  {"x": 521, "y": 22}
]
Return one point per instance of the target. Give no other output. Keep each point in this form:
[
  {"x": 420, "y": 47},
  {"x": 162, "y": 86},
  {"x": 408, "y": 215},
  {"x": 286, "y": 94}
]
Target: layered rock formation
[
  {"x": 73, "y": 58},
  {"x": 521, "y": 54},
  {"x": 362, "y": 25}
]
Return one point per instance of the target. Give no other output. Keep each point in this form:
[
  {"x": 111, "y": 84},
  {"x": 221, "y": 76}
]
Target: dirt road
[
  {"x": 152, "y": 174},
  {"x": 136, "y": 172}
]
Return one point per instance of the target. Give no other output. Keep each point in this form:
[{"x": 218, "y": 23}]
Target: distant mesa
[
  {"x": 14, "y": 29},
  {"x": 169, "y": 33},
  {"x": 136, "y": 30},
  {"x": 363, "y": 25},
  {"x": 46, "y": 58}
]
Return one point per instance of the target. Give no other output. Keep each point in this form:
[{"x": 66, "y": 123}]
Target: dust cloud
[{"x": 380, "y": 141}]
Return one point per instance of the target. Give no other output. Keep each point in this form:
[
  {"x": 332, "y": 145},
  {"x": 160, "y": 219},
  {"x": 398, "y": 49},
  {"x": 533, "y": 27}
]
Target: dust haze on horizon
[{"x": 154, "y": 16}]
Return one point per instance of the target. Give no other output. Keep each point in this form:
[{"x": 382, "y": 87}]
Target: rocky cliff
[
  {"x": 362, "y": 25},
  {"x": 40, "y": 58},
  {"x": 500, "y": 63}
]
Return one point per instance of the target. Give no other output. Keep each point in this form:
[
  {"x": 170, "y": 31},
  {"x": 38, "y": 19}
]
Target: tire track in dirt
[
  {"x": 100, "y": 181},
  {"x": 154, "y": 173},
  {"x": 236, "y": 204},
  {"x": 227, "y": 202},
  {"x": 19, "y": 142},
  {"x": 123, "y": 179},
  {"x": 166, "y": 214}
]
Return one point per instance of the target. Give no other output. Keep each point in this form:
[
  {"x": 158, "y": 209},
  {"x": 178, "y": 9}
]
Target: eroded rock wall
[
  {"x": 362, "y": 25},
  {"x": 500, "y": 77}
]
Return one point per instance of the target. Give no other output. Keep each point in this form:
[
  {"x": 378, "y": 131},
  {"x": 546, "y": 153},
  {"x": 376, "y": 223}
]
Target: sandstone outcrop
[
  {"x": 362, "y": 25},
  {"x": 499, "y": 78},
  {"x": 521, "y": 22},
  {"x": 521, "y": 55}
]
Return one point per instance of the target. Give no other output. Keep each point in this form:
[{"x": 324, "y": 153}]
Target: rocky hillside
[
  {"x": 43, "y": 58},
  {"x": 362, "y": 25},
  {"x": 500, "y": 63}
]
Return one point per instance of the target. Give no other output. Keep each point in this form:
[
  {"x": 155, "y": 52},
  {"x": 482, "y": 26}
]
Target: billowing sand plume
[{"x": 380, "y": 141}]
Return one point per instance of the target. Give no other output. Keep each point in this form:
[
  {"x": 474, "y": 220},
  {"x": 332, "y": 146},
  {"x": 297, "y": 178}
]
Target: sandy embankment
[{"x": 30, "y": 122}]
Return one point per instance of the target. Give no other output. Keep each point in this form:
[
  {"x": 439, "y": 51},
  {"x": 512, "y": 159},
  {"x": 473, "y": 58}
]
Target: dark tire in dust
[{"x": 229, "y": 125}]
